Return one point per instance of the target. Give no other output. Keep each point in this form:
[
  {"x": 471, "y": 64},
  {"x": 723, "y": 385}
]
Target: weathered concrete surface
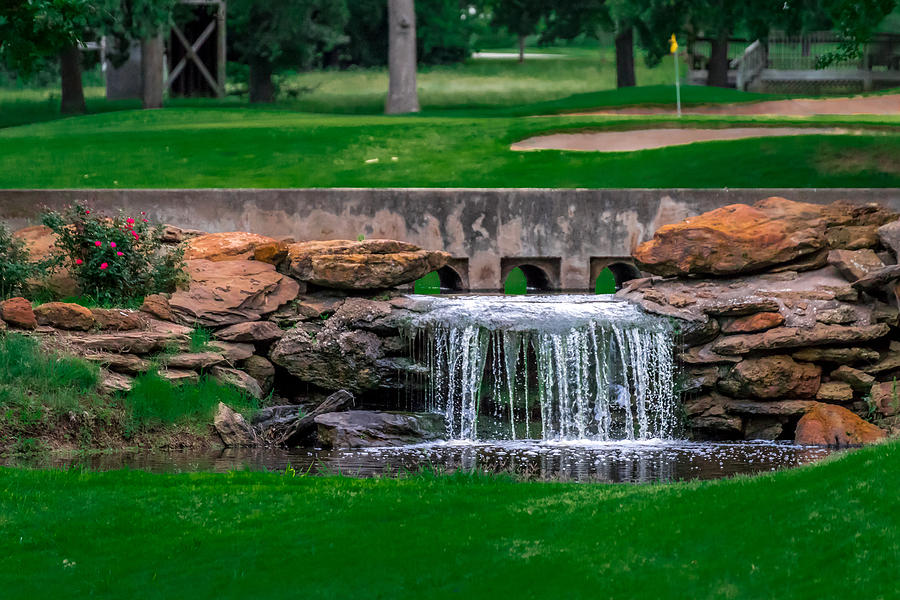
[{"x": 481, "y": 226}]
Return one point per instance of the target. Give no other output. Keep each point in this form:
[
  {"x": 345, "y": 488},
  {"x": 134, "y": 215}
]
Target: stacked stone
[{"x": 788, "y": 318}]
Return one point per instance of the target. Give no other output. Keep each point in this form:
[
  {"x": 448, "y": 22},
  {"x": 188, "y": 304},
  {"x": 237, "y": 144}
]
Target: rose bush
[{"x": 118, "y": 259}]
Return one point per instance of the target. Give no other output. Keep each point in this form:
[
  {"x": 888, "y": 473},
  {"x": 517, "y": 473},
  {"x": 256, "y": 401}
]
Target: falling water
[{"x": 559, "y": 367}]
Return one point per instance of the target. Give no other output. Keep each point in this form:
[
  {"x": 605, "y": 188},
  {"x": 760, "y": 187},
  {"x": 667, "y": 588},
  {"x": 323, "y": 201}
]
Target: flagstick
[{"x": 677, "y": 83}]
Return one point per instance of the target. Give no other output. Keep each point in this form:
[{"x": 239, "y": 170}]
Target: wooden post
[{"x": 402, "y": 94}]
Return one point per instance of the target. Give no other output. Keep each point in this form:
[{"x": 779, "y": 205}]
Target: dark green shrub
[
  {"x": 115, "y": 259},
  {"x": 16, "y": 266}
]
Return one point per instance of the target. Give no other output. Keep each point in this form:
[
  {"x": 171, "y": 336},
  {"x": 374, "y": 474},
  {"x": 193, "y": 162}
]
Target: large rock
[
  {"x": 734, "y": 239},
  {"x": 238, "y": 379},
  {"x": 233, "y": 245},
  {"x": 17, "y": 312},
  {"x": 840, "y": 356},
  {"x": 118, "y": 319},
  {"x": 798, "y": 337},
  {"x": 121, "y": 363},
  {"x": 252, "y": 332},
  {"x": 260, "y": 369},
  {"x": 233, "y": 429},
  {"x": 135, "y": 342},
  {"x": 332, "y": 358},
  {"x": 855, "y": 264},
  {"x": 889, "y": 234},
  {"x": 886, "y": 397},
  {"x": 40, "y": 242},
  {"x": 856, "y": 379},
  {"x": 835, "y": 392},
  {"x": 363, "y": 428},
  {"x": 830, "y": 425},
  {"x": 193, "y": 361},
  {"x": 157, "y": 305},
  {"x": 65, "y": 315},
  {"x": 231, "y": 291},
  {"x": 753, "y": 323},
  {"x": 770, "y": 377},
  {"x": 364, "y": 265},
  {"x": 852, "y": 237}
]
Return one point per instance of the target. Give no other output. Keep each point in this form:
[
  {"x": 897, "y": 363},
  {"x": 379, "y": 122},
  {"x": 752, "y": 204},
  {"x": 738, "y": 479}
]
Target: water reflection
[{"x": 632, "y": 462}]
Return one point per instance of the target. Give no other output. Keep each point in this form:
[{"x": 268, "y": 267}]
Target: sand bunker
[
  {"x": 888, "y": 104},
  {"x": 646, "y": 139}
]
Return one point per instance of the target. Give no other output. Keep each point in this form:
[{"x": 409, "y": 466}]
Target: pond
[{"x": 613, "y": 462}]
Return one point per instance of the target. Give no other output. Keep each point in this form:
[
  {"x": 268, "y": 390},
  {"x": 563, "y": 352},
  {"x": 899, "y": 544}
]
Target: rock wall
[{"x": 788, "y": 318}]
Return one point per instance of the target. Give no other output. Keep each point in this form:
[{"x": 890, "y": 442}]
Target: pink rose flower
[
  {"x": 130, "y": 221},
  {"x": 78, "y": 261},
  {"x": 112, "y": 244},
  {"x": 134, "y": 233},
  {"x": 98, "y": 243},
  {"x": 120, "y": 254},
  {"x": 103, "y": 266}
]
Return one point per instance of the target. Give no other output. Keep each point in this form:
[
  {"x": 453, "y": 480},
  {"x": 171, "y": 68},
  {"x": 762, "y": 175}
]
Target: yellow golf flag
[{"x": 673, "y": 44}]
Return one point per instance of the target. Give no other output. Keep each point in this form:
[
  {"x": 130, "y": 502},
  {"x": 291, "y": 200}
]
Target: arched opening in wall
[
  {"x": 610, "y": 274},
  {"x": 445, "y": 280},
  {"x": 526, "y": 279}
]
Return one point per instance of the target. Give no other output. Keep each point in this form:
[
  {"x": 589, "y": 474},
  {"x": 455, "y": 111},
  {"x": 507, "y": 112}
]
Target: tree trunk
[
  {"x": 152, "y": 71},
  {"x": 625, "y": 57},
  {"x": 262, "y": 89},
  {"x": 717, "y": 74},
  {"x": 72, "y": 88},
  {"x": 402, "y": 94},
  {"x": 521, "y": 48}
]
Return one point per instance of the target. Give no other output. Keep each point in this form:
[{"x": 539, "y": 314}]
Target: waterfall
[{"x": 562, "y": 367}]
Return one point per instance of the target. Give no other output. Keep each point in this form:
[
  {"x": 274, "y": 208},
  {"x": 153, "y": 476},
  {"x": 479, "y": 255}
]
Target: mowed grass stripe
[{"x": 825, "y": 531}]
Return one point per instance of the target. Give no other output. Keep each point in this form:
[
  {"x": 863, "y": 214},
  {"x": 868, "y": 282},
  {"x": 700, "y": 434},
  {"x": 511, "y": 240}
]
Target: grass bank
[
  {"x": 202, "y": 147},
  {"x": 825, "y": 531},
  {"x": 52, "y": 401}
]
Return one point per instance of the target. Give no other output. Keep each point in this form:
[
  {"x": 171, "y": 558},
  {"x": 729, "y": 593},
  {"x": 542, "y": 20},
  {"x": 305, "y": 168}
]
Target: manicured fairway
[
  {"x": 206, "y": 147},
  {"x": 826, "y": 531}
]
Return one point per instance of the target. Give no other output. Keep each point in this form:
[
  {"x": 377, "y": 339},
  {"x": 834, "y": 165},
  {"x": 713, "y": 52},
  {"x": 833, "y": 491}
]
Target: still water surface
[{"x": 628, "y": 462}]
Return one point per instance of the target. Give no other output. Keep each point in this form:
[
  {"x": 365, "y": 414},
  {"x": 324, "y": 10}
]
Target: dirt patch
[
  {"x": 888, "y": 104},
  {"x": 646, "y": 139}
]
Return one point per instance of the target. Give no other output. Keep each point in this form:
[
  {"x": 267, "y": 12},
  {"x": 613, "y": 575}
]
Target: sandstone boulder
[
  {"x": 852, "y": 237},
  {"x": 178, "y": 376},
  {"x": 232, "y": 351},
  {"x": 64, "y": 315},
  {"x": 273, "y": 252},
  {"x": 114, "y": 382},
  {"x": 233, "y": 429},
  {"x": 157, "y": 305},
  {"x": 753, "y": 323},
  {"x": 858, "y": 380},
  {"x": 839, "y": 356},
  {"x": 233, "y": 245},
  {"x": 364, "y": 428},
  {"x": 41, "y": 244},
  {"x": 886, "y": 397},
  {"x": 231, "y": 291},
  {"x": 175, "y": 235},
  {"x": 798, "y": 337},
  {"x": 118, "y": 319},
  {"x": 733, "y": 239},
  {"x": 193, "y": 361},
  {"x": 120, "y": 363},
  {"x": 365, "y": 265},
  {"x": 253, "y": 332},
  {"x": 855, "y": 264},
  {"x": 835, "y": 392},
  {"x": 135, "y": 342},
  {"x": 770, "y": 377},
  {"x": 830, "y": 425},
  {"x": 17, "y": 312},
  {"x": 238, "y": 379}
]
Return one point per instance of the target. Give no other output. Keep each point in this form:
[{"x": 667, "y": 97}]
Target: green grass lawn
[
  {"x": 825, "y": 531},
  {"x": 206, "y": 147}
]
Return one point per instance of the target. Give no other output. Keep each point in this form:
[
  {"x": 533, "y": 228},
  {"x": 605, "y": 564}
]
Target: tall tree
[
  {"x": 284, "y": 34},
  {"x": 403, "y": 97},
  {"x": 520, "y": 17},
  {"x": 34, "y": 30}
]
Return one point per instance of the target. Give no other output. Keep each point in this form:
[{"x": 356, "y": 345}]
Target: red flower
[
  {"x": 98, "y": 243},
  {"x": 130, "y": 221},
  {"x": 120, "y": 254},
  {"x": 103, "y": 266},
  {"x": 112, "y": 244},
  {"x": 146, "y": 220},
  {"x": 78, "y": 261},
  {"x": 87, "y": 212},
  {"x": 134, "y": 233}
]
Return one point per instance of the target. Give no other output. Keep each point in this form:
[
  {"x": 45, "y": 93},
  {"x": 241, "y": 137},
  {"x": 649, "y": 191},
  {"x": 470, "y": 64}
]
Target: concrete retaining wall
[{"x": 487, "y": 229}]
